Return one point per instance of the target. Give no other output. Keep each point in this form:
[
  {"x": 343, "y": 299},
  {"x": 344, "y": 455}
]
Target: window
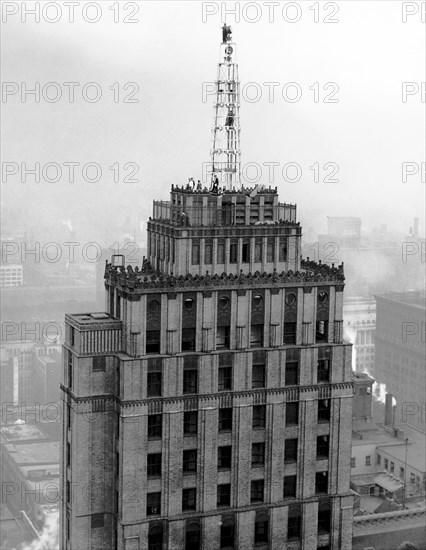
[
  {"x": 224, "y": 495},
  {"x": 153, "y": 504},
  {"x": 193, "y": 537},
  {"x": 259, "y": 416},
  {"x": 258, "y": 376},
  {"x": 261, "y": 531},
  {"x": 323, "y": 372},
  {"x": 283, "y": 249},
  {"x": 72, "y": 336},
  {"x": 378, "y": 460},
  {"x": 246, "y": 252},
  {"x": 290, "y": 333},
  {"x": 257, "y": 490},
  {"x": 353, "y": 462},
  {"x": 258, "y": 454},
  {"x": 154, "y": 465},
  {"x": 323, "y": 447},
  {"x": 233, "y": 253},
  {"x": 256, "y": 336},
  {"x": 208, "y": 252},
  {"x": 225, "y": 420},
  {"x": 368, "y": 460},
  {"x": 392, "y": 467},
  {"x": 155, "y": 422},
  {"x": 155, "y": 537},
  {"x": 290, "y": 484},
  {"x": 222, "y": 337},
  {"x": 70, "y": 368},
  {"x": 190, "y": 461},
  {"x": 118, "y": 307},
  {"x": 290, "y": 450},
  {"x": 190, "y": 422},
  {"x": 324, "y": 410},
  {"x": 294, "y": 524},
  {"x": 190, "y": 380},
  {"x": 270, "y": 250},
  {"x": 291, "y": 373},
  {"x": 321, "y": 482},
  {"x": 321, "y": 331},
  {"x": 152, "y": 341},
  {"x": 97, "y": 521},
  {"x": 220, "y": 252},
  {"x": 188, "y": 339},
  {"x": 227, "y": 535},
  {"x": 412, "y": 479},
  {"x": 258, "y": 248},
  {"x": 195, "y": 253},
  {"x": 291, "y": 414},
  {"x": 189, "y": 499},
  {"x": 99, "y": 364},
  {"x": 386, "y": 464},
  {"x": 401, "y": 472},
  {"x": 154, "y": 384},
  {"x": 224, "y": 457},
  {"x": 324, "y": 518},
  {"x": 225, "y": 378}
]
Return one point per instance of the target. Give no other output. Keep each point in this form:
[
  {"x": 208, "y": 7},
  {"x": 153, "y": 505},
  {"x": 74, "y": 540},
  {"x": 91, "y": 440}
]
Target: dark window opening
[
  {"x": 246, "y": 252},
  {"x": 153, "y": 504},
  {"x": 190, "y": 381},
  {"x": 227, "y": 537},
  {"x": 291, "y": 373},
  {"x": 294, "y": 524},
  {"x": 190, "y": 422},
  {"x": 258, "y": 249},
  {"x": 290, "y": 450},
  {"x": 154, "y": 465},
  {"x": 257, "y": 490},
  {"x": 256, "y": 336},
  {"x": 152, "y": 341},
  {"x": 190, "y": 461},
  {"x": 224, "y": 457},
  {"x": 290, "y": 331},
  {"x": 258, "y": 376},
  {"x": 155, "y": 426},
  {"x": 225, "y": 378},
  {"x": 225, "y": 420},
  {"x": 324, "y": 410},
  {"x": 154, "y": 384},
  {"x": 261, "y": 531},
  {"x": 195, "y": 256},
  {"x": 208, "y": 253},
  {"x": 259, "y": 416},
  {"x": 220, "y": 253},
  {"x": 155, "y": 538},
  {"x": 290, "y": 485},
  {"x": 189, "y": 499},
  {"x": 321, "y": 483},
  {"x": 323, "y": 446},
  {"x": 188, "y": 339},
  {"x": 321, "y": 331},
  {"x": 223, "y": 337},
  {"x": 291, "y": 414},
  {"x": 258, "y": 454},
  {"x": 270, "y": 250},
  {"x": 323, "y": 372},
  {"x": 324, "y": 518},
  {"x": 193, "y": 537},
  {"x": 99, "y": 364},
  {"x": 224, "y": 495},
  {"x": 233, "y": 253},
  {"x": 283, "y": 249}
]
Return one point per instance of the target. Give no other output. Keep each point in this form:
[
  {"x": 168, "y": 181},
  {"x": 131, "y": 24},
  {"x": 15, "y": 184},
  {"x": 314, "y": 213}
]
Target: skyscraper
[{"x": 211, "y": 405}]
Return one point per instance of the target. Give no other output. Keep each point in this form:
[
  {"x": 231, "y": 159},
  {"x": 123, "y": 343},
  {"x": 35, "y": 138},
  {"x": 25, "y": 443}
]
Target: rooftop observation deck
[
  {"x": 197, "y": 207},
  {"x": 146, "y": 279}
]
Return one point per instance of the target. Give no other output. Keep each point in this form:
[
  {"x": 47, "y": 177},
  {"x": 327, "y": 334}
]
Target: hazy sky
[{"x": 170, "y": 53}]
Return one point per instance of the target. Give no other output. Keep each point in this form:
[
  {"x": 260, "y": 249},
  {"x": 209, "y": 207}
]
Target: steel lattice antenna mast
[{"x": 226, "y": 154}]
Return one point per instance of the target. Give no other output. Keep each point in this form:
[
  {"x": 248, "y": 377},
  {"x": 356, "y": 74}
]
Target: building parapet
[
  {"x": 369, "y": 521},
  {"x": 137, "y": 279}
]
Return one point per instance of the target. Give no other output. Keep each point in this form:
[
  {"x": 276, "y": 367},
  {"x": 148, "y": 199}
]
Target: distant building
[
  {"x": 401, "y": 354},
  {"x": 11, "y": 275},
  {"x": 359, "y": 327},
  {"x": 346, "y": 229}
]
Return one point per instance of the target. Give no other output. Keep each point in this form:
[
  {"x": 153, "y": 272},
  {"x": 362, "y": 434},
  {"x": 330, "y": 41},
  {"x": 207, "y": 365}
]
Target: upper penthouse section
[{"x": 223, "y": 231}]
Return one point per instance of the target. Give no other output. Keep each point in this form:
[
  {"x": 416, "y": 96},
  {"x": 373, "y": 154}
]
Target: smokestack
[
  {"x": 416, "y": 227},
  {"x": 388, "y": 410}
]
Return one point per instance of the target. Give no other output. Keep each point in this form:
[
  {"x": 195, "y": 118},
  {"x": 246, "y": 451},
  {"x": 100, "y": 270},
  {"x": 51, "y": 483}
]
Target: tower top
[{"x": 225, "y": 154}]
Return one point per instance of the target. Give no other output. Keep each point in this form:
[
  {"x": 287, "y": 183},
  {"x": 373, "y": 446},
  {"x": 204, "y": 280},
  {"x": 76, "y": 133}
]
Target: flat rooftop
[
  {"x": 43, "y": 454},
  {"x": 22, "y": 432}
]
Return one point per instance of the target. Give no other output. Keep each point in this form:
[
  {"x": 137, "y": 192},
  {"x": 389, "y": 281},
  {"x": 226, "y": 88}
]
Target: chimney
[{"x": 388, "y": 410}]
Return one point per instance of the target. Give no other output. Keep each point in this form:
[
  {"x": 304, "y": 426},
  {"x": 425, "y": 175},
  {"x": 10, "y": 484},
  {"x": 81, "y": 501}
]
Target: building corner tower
[{"x": 210, "y": 406}]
